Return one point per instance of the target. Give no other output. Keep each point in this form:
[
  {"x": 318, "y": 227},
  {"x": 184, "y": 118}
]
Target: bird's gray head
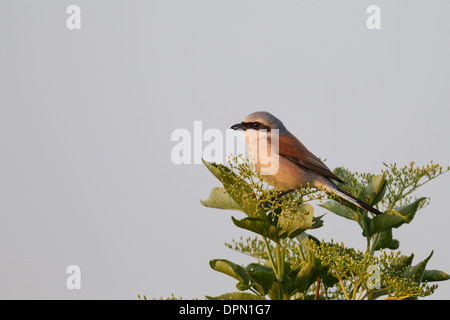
[{"x": 260, "y": 120}]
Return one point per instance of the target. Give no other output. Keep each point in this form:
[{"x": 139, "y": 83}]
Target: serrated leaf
[
  {"x": 220, "y": 199},
  {"x": 261, "y": 227},
  {"x": 237, "y": 188},
  {"x": 257, "y": 267},
  {"x": 263, "y": 276},
  {"x": 395, "y": 218},
  {"x": 231, "y": 269}
]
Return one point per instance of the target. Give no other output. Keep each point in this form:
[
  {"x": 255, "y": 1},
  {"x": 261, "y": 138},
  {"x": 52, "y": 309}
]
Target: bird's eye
[{"x": 256, "y": 125}]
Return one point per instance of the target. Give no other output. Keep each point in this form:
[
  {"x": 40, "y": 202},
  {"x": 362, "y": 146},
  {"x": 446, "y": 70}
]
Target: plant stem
[
  {"x": 360, "y": 293},
  {"x": 278, "y": 267},
  {"x": 355, "y": 290},
  {"x": 300, "y": 251},
  {"x": 274, "y": 267},
  {"x": 279, "y": 270},
  {"x": 317, "y": 289},
  {"x": 280, "y": 274},
  {"x": 343, "y": 289}
]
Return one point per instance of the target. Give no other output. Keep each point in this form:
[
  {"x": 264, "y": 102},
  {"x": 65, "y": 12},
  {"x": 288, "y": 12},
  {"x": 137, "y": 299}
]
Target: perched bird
[{"x": 296, "y": 165}]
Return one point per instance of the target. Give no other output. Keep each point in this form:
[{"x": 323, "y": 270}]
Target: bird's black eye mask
[{"x": 254, "y": 126}]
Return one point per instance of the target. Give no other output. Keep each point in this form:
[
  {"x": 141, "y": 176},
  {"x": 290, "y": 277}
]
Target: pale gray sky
[{"x": 86, "y": 116}]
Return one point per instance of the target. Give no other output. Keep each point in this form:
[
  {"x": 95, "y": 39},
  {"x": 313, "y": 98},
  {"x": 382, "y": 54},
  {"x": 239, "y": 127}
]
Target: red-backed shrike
[{"x": 296, "y": 165}]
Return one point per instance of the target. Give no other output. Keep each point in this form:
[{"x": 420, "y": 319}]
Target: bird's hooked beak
[{"x": 238, "y": 126}]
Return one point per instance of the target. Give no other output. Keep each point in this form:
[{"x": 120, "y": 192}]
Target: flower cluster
[{"x": 352, "y": 266}]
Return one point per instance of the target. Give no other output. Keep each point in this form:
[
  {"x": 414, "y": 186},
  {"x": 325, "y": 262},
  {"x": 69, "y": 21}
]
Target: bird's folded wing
[{"x": 292, "y": 149}]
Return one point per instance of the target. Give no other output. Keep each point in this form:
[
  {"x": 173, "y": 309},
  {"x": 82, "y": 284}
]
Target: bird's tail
[{"x": 352, "y": 199}]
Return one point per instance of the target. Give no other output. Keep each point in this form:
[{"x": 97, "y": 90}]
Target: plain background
[{"x": 86, "y": 116}]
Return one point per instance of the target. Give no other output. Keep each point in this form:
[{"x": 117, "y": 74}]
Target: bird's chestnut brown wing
[{"x": 292, "y": 149}]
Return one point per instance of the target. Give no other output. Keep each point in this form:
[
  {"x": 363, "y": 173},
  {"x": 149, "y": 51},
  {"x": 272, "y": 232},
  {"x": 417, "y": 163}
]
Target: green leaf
[
  {"x": 236, "y": 296},
  {"x": 241, "y": 286},
  {"x": 274, "y": 292},
  {"x": 302, "y": 282},
  {"x": 372, "y": 194},
  {"x": 403, "y": 261},
  {"x": 384, "y": 240},
  {"x": 375, "y": 190},
  {"x": 395, "y": 218},
  {"x": 261, "y": 227},
  {"x": 435, "y": 275},
  {"x": 263, "y": 276},
  {"x": 365, "y": 223},
  {"x": 417, "y": 272},
  {"x": 238, "y": 189},
  {"x": 410, "y": 210},
  {"x": 309, "y": 272},
  {"x": 231, "y": 269},
  {"x": 379, "y": 183},
  {"x": 220, "y": 199},
  {"x": 341, "y": 210},
  {"x": 346, "y": 212},
  {"x": 328, "y": 279}
]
